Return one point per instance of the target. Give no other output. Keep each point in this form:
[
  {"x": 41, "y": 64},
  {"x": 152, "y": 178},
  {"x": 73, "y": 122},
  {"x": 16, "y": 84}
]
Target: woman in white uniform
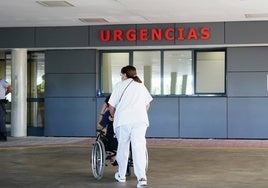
[{"x": 129, "y": 103}]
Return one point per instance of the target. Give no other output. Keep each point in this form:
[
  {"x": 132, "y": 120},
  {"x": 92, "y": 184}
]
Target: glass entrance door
[
  {"x": 5, "y": 73},
  {"x": 36, "y": 89}
]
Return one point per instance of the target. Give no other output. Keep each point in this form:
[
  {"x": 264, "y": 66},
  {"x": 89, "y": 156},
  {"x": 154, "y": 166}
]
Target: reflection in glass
[
  {"x": 36, "y": 113},
  {"x": 111, "y": 68},
  {"x": 148, "y": 64},
  {"x": 210, "y": 72},
  {"x": 178, "y": 73}
]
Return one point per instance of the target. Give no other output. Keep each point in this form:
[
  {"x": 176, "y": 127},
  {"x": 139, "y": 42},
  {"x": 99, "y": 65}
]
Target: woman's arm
[{"x": 103, "y": 109}]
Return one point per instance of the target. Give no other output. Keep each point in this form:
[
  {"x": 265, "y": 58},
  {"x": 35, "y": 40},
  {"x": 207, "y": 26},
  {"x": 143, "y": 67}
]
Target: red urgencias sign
[{"x": 155, "y": 34}]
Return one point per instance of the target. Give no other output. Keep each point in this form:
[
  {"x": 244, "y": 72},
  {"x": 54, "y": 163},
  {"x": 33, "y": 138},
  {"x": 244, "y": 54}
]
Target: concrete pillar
[
  {"x": 173, "y": 83},
  {"x": 184, "y": 84},
  {"x": 19, "y": 93},
  {"x": 147, "y": 74},
  {"x": 106, "y": 74}
]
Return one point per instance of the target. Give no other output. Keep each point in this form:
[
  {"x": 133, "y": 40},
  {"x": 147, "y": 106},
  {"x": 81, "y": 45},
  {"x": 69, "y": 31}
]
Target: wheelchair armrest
[{"x": 101, "y": 132}]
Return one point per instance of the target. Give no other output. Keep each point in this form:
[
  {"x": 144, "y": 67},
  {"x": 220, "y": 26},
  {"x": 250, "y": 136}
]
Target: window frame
[
  {"x": 194, "y": 66},
  {"x": 195, "y": 72}
]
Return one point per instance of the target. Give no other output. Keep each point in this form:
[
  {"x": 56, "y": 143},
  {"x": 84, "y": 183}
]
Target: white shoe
[
  {"x": 118, "y": 178},
  {"x": 142, "y": 183}
]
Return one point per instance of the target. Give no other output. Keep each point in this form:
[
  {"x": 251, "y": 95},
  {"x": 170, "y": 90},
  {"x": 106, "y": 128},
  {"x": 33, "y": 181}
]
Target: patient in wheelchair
[{"x": 105, "y": 124}]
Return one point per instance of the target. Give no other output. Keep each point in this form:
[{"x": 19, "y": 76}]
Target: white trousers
[{"x": 134, "y": 133}]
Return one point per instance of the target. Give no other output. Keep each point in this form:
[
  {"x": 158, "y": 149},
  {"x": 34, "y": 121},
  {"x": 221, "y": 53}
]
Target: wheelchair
[{"x": 102, "y": 152}]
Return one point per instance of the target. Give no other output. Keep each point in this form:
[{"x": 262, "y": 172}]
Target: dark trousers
[{"x": 2, "y": 118}]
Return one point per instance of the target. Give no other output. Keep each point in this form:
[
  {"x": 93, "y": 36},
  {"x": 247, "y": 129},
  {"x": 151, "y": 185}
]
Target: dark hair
[
  {"x": 131, "y": 72},
  {"x": 107, "y": 99}
]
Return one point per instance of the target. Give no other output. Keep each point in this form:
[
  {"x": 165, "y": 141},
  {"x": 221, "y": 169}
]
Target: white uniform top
[
  {"x": 3, "y": 87},
  {"x": 132, "y": 106}
]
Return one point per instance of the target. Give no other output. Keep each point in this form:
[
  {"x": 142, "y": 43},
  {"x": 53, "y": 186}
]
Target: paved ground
[{"x": 44, "y": 162}]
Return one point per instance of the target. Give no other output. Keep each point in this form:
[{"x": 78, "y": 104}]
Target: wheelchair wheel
[{"x": 98, "y": 157}]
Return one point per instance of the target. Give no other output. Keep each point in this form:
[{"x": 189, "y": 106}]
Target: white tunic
[{"x": 131, "y": 108}]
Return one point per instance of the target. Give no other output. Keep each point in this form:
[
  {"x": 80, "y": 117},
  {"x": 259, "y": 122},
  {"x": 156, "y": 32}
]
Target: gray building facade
[{"x": 72, "y": 78}]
